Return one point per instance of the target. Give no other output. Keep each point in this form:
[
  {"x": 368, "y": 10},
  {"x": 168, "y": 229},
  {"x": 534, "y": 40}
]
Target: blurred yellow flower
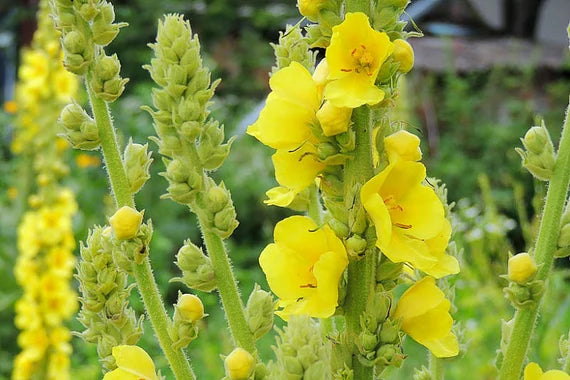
[
  {"x": 354, "y": 58},
  {"x": 125, "y": 222},
  {"x": 310, "y": 8},
  {"x": 12, "y": 192},
  {"x": 239, "y": 364},
  {"x": 284, "y": 122},
  {"x": 533, "y": 372},
  {"x": 11, "y": 107},
  {"x": 133, "y": 363},
  {"x": 409, "y": 218},
  {"x": 294, "y": 171},
  {"x": 424, "y": 312},
  {"x": 86, "y": 160},
  {"x": 65, "y": 85},
  {"x": 303, "y": 267}
]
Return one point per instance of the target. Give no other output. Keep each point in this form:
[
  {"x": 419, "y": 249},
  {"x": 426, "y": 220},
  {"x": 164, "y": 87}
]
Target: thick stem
[
  {"x": 525, "y": 319},
  {"x": 361, "y": 273},
  {"x": 143, "y": 273},
  {"x": 228, "y": 290},
  {"x": 435, "y": 367},
  {"x": 159, "y": 319},
  {"x": 113, "y": 161}
]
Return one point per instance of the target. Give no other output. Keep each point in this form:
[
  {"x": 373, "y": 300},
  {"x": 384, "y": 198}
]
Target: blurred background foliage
[{"x": 470, "y": 122}]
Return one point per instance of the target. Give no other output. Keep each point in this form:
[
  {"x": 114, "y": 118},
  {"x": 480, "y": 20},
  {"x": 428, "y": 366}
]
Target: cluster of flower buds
[
  {"x": 196, "y": 267},
  {"x": 301, "y": 352},
  {"x": 192, "y": 141},
  {"x": 137, "y": 161},
  {"x": 538, "y": 155},
  {"x": 187, "y": 312},
  {"x": 259, "y": 312},
  {"x": 131, "y": 237},
  {"x": 105, "y": 313},
  {"x": 86, "y": 27},
  {"x": 79, "y": 128},
  {"x": 292, "y": 47}
]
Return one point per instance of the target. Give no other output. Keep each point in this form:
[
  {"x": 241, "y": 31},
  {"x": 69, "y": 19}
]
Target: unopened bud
[
  {"x": 189, "y": 308},
  {"x": 126, "y": 222},
  {"x": 310, "y": 8},
  {"x": 196, "y": 267},
  {"x": 539, "y": 157},
  {"x": 72, "y": 116},
  {"x": 74, "y": 42},
  {"x": 334, "y": 120},
  {"x": 259, "y": 312},
  {"x": 217, "y": 198},
  {"x": 521, "y": 268},
  {"x": 404, "y": 55},
  {"x": 239, "y": 364},
  {"x": 355, "y": 245},
  {"x": 137, "y": 163}
]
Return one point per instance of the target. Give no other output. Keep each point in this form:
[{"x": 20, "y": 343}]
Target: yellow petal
[
  {"x": 431, "y": 325},
  {"x": 444, "y": 347},
  {"x": 532, "y": 372},
  {"x": 419, "y": 298},
  {"x": 327, "y": 271},
  {"x": 134, "y": 360},
  {"x": 280, "y": 196},
  {"x": 301, "y": 234},
  {"x": 555, "y": 374},
  {"x": 119, "y": 374},
  {"x": 295, "y": 83},
  {"x": 297, "y": 169},
  {"x": 403, "y": 248},
  {"x": 334, "y": 120},
  {"x": 375, "y": 207},
  {"x": 353, "y": 91},
  {"x": 403, "y": 145}
]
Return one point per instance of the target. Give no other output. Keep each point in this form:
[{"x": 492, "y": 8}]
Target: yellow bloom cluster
[
  {"x": 44, "y": 86},
  {"x": 44, "y": 269}
]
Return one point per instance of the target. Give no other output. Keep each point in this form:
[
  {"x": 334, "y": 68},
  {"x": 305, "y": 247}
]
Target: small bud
[
  {"x": 239, "y": 364},
  {"x": 74, "y": 42},
  {"x": 404, "y": 55},
  {"x": 340, "y": 229},
  {"x": 189, "y": 308},
  {"x": 259, "y": 312},
  {"x": 107, "y": 67},
  {"x": 72, "y": 116},
  {"x": 521, "y": 268},
  {"x": 126, "y": 222},
  {"x": 103, "y": 28},
  {"x": 137, "y": 163},
  {"x": 310, "y": 8},
  {"x": 355, "y": 245},
  {"x": 217, "y": 198},
  {"x": 106, "y": 82},
  {"x": 326, "y": 149},
  {"x": 196, "y": 267},
  {"x": 539, "y": 157},
  {"x": 334, "y": 120}
]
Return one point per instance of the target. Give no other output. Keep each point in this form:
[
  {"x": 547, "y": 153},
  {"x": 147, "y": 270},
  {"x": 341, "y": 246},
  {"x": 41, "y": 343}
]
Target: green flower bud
[
  {"x": 76, "y": 63},
  {"x": 539, "y": 157},
  {"x": 326, "y": 149},
  {"x": 292, "y": 47},
  {"x": 196, "y": 267},
  {"x": 259, "y": 312},
  {"x": 225, "y": 221},
  {"x": 340, "y": 229},
  {"x": 524, "y": 295},
  {"x": 211, "y": 151},
  {"x": 346, "y": 140},
  {"x": 74, "y": 42},
  {"x": 88, "y": 9},
  {"x": 564, "y": 237},
  {"x": 176, "y": 171},
  {"x": 137, "y": 163},
  {"x": 217, "y": 197},
  {"x": 106, "y": 82},
  {"x": 390, "y": 354},
  {"x": 106, "y": 68},
  {"x": 103, "y": 28},
  {"x": 355, "y": 245},
  {"x": 390, "y": 332},
  {"x": 72, "y": 116}
]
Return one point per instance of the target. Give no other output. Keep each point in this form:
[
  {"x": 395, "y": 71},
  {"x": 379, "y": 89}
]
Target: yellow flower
[
  {"x": 64, "y": 84},
  {"x": 409, "y": 218},
  {"x": 190, "y": 307},
  {"x": 354, "y": 57},
  {"x": 133, "y": 364},
  {"x": 126, "y": 222},
  {"x": 10, "y": 106},
  {"x": 533, "y": 372},
  {"x": 12, "y": 192},
  {"x": 294, "y": 170},
  {"x": 239, "y": 364},
  {"x": 404, "y": 55},
  {"x": 402, "y": 145},
  {"x": 521, "y": 268},
  {"x": 424, "y": 312},
  {"x": 86, "y": 160},
  {"x": 334, "y": 120},
  {"x": 35, "y": 67},
  {"x": 310, "y": 8},
  {"x": 284, "y": 122},
  {"x": 303, "y": 267}
]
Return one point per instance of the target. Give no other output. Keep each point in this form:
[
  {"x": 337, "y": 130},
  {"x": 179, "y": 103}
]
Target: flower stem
[
  {"x": 545, "y": 247},
  {"x": 315, "y": 210},
  {"x": 143, "y": 272},
  {"x": 160, "y": 321},
  {"x": 361, "y": 272},
  {"x": 228, "y": 290},
  {"x": 435, "y": 367}
]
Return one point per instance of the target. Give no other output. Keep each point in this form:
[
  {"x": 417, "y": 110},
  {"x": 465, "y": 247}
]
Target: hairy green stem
[
  {"x": 435, "y": 368},
  {"x": 361, "y": 273},
  {"x": 227, "y": 287},
  {"x": 143, "y": 272},
  {"x": 160, "y": 321},
  {"x": 566, "y": 364},
  {"x": 113, "y": 161},
  {"x": 525, "y": 319}
]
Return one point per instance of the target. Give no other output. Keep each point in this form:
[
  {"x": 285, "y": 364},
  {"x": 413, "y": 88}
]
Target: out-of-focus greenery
[{"x": 473, "y": 123}]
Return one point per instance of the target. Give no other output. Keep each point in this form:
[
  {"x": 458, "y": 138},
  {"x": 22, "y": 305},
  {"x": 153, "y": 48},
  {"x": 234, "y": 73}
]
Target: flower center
[
  {"x": 393, "y": 207},
  {"x": 363, "y": 60}
]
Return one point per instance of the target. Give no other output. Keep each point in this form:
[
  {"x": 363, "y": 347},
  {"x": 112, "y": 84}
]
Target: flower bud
[
  {"x": 521, "y": 268},
  {"x": 225, "y": 221},
  {"x": 103, "y": 28},
  {"x": 292, "y": 47},
  {"x": 334, "y": 120},
  {"x": 107, "y": 67},
  {"x": 106, "y": 82},
  {"x": 211, "y": 151},
  {"x": 217, "y": 197},
  {"x": 189, "y": 308},
  {"x": 355, "y": 245},
  {"x": 196, "y": 267},
  {"x": 72, "y": 116},
  {"x": 564, "y": 237},
  {"x": 137, "y": 163},
  {"x": 259, "y": 312},
  {"x": 126, "y": 222},
  {"x": 74, "y": 42},
  {"x": 538, "y": 158},
  {"x": 325, "y": 150},
  {"x": 310, "y": 8},
  {"x": 404, "y": 55},
  {"x": 239, "y": 364}
]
